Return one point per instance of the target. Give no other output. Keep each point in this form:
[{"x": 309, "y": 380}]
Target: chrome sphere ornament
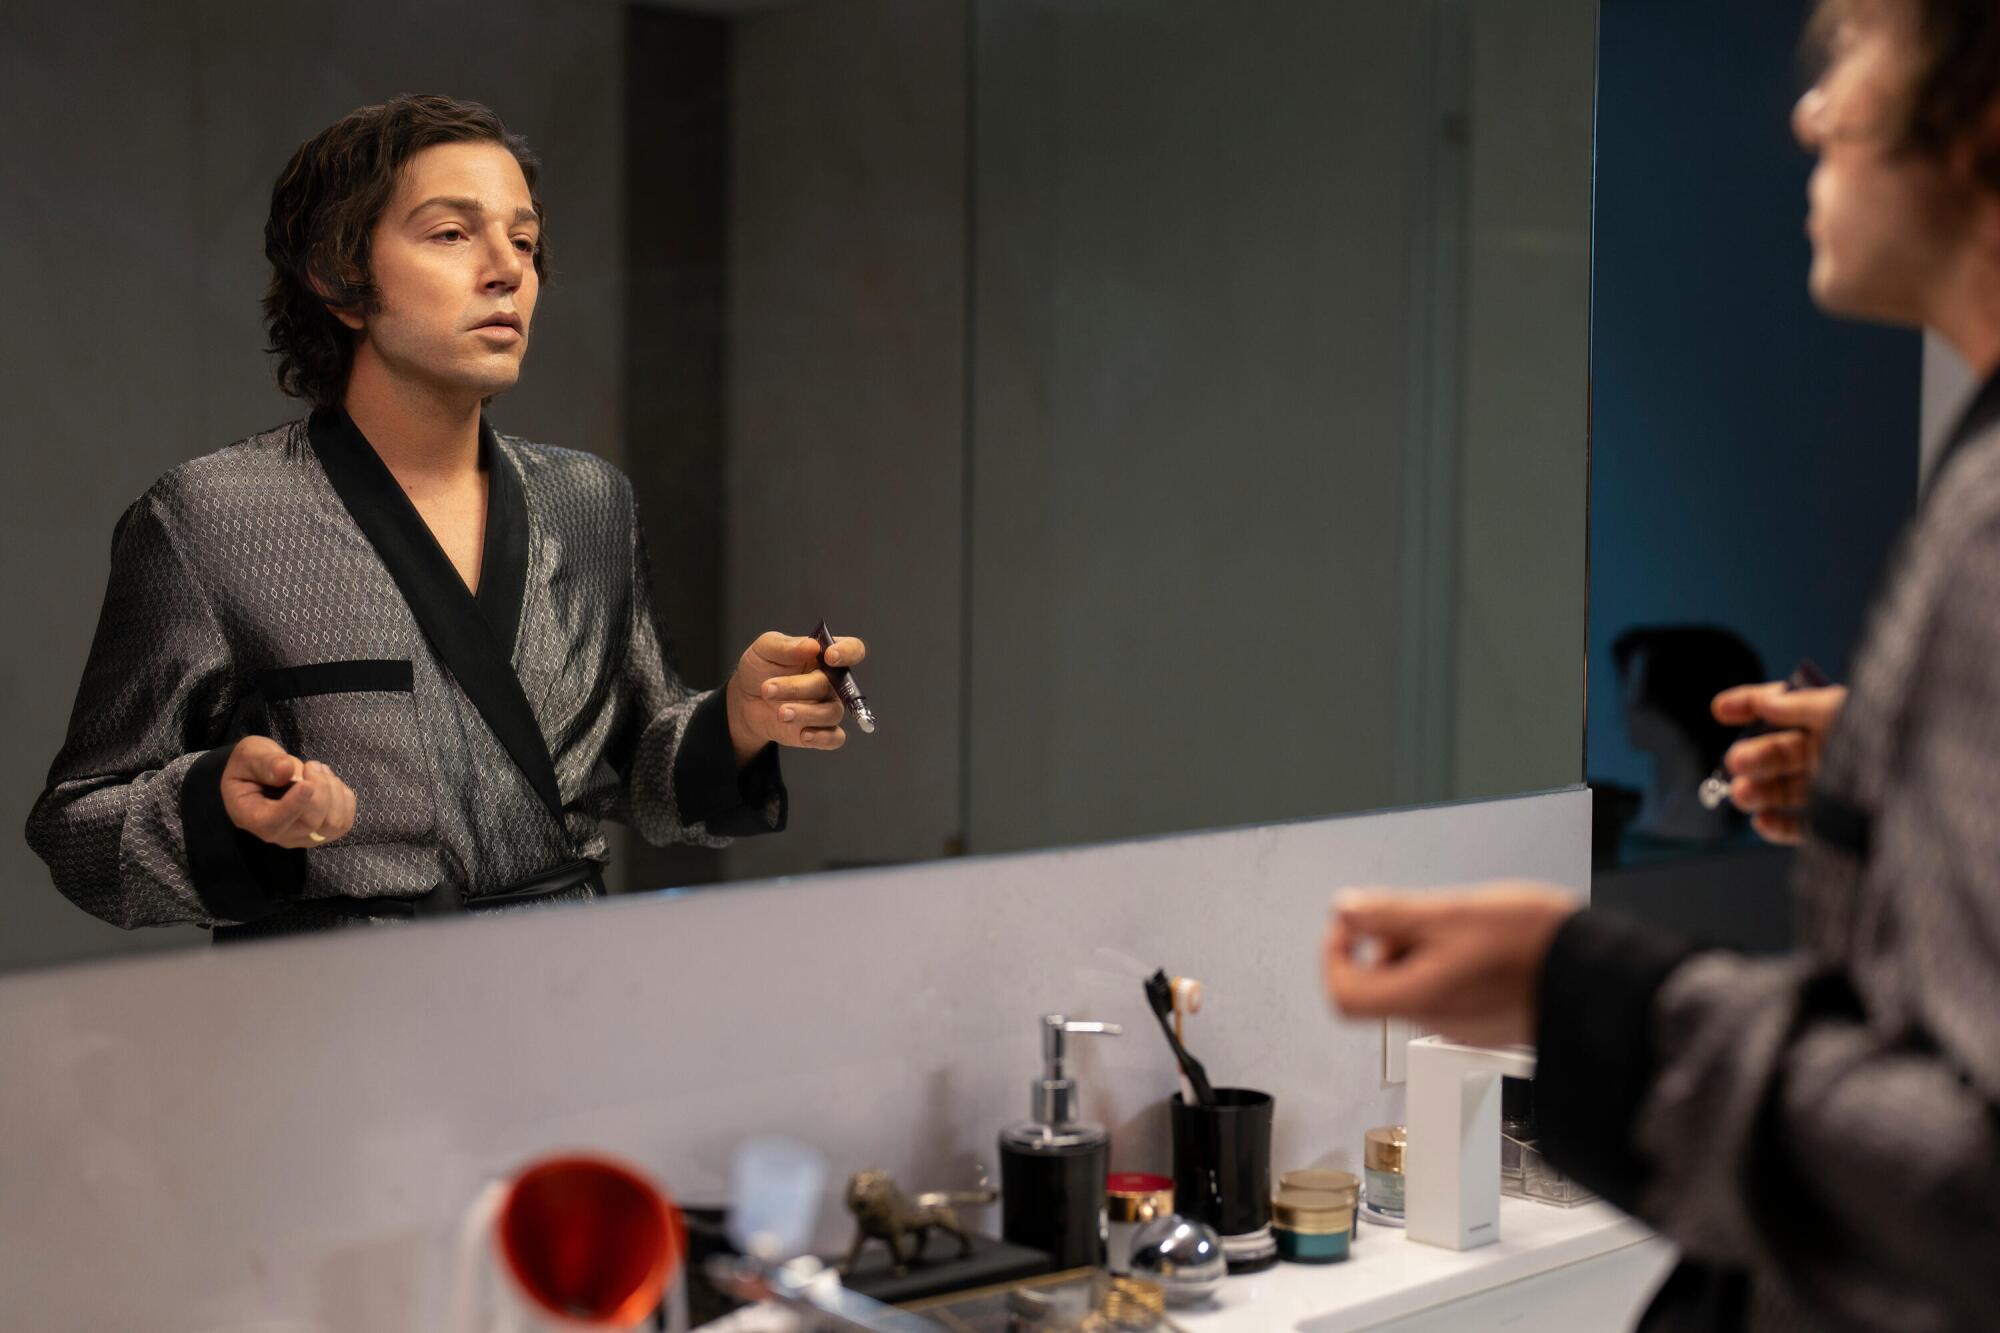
[{"x": 1184, "y": 1256}]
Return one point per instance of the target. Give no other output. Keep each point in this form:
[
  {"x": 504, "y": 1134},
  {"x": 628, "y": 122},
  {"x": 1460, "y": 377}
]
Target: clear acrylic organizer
[{"x": 1526, "y": 1174}]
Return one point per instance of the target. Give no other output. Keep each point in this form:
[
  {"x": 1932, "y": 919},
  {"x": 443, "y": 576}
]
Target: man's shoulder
[
  {"x": 238, "y": 473},
  {"x": 570, "y": 479},
  {"x": 1963, "y": 502}
]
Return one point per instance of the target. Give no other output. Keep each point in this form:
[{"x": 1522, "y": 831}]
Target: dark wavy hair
[
  {"x": 324, "y": 209},
  {"x": 1957, "y": 74}
]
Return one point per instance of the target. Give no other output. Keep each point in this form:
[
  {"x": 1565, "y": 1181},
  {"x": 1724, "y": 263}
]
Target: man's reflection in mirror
[
  {"x": 1668, "y": 675},
  {"x": 385, "y": 661}
]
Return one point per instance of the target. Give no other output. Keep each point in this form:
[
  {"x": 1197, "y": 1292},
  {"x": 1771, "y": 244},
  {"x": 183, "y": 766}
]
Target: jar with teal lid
[{"x": 1312, "y": 1227}]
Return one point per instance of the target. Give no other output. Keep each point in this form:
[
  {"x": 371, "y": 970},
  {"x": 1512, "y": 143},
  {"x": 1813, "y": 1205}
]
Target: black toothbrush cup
[{"x": 1222, "y": 1159}]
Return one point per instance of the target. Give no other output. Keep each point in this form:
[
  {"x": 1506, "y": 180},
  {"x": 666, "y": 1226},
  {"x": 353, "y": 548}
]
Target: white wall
[
  {"x": 147, "y": 137},
  {"x": 281, "y": 1136}
]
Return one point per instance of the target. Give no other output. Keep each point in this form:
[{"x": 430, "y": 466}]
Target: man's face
[
  {"x": 1884, "y": 222},
  {"x": 453, "y": 258}
]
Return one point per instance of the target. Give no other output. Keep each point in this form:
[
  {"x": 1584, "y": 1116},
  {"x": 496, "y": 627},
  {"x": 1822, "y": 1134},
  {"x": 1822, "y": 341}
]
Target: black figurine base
[{"x": 939, "y": 1270}]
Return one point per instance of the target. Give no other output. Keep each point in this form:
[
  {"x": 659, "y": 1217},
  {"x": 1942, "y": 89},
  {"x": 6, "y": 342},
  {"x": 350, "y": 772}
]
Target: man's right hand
[
  {"x": 1774, "y": 772},
  {"x": 283, "y": 799}
]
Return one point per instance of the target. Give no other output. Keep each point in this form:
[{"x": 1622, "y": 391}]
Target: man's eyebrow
[{"x": 473, "y": 206}]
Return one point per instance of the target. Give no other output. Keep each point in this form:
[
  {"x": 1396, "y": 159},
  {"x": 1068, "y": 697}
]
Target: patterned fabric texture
[
  {"x": 1830, "y": 1122},
  {"x": 246, "y": 560}
]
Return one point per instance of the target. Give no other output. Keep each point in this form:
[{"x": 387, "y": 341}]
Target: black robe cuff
[
  {"x": 1594, "y": 1047},
  {"x": 710, "y": 789},
  {"x": 237, "y": 875}
]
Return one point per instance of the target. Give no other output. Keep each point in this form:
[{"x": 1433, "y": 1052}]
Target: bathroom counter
[{"x": 1592, "y": 1260}]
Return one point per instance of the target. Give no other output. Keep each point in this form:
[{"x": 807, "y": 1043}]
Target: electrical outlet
[{"x": 1396, "y": 1035}]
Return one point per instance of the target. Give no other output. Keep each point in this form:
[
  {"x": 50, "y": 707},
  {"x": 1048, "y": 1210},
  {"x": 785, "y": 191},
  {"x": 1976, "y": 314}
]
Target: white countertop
[{"x": 1387, "y": 1276}]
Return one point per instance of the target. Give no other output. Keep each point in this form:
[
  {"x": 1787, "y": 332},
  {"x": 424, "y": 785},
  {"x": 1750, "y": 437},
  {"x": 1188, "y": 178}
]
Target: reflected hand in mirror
[
  {"x": 1464, "y": 962},
  {"x": 282, "y": 799},
  {"x": 780, "y": 694},
  {"x": 1774, "y": 772}
]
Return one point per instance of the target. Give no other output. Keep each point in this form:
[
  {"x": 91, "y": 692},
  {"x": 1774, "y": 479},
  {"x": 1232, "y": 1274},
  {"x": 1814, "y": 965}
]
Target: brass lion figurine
[{"x": 883, "y": 1212}]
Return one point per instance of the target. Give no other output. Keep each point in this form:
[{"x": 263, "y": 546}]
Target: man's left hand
[
  {"x": 1466, "y": 963},
  {"x": 780, "y": 693}
]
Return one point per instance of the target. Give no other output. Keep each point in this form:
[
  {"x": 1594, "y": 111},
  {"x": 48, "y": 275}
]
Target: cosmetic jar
[
  {"x": 1131, "y": 1199},
  {"x": 1321, "y": 1180},
  {"x": 1384, "y": 1171},
  {"x": 1182, "y": 1256},
  {"x": 1312, "y": 1227}
]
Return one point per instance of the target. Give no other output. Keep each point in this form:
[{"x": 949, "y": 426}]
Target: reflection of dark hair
[
  {"x": 324, "y": 208},
  {"x": 1684, "y": 667},
  {"x": 1957, "y": 73}
]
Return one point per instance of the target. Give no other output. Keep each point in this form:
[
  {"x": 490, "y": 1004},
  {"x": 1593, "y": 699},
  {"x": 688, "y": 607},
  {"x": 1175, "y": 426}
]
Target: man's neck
[
  {"x": 424, "y": 437},
  {"x": 1966, "y": 313}
]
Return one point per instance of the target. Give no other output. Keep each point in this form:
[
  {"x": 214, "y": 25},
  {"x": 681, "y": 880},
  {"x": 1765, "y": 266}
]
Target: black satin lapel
[
  {"x": 503, "y": 561},
  {"x": 444, "y": 609}
]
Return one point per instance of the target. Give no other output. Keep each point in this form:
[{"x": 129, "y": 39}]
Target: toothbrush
[{"x": 1160, "y": 995}]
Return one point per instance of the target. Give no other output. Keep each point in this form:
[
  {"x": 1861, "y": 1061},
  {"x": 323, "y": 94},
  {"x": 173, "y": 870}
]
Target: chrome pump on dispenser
[{"x": 1053, "y": 1166}]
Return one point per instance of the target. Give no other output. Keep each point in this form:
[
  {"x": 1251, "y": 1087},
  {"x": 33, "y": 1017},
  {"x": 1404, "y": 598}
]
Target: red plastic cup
[{"x": 589, "y": 1241}]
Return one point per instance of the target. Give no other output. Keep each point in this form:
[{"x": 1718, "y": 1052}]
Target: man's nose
[
  {"x": 508, "y": 265},
  {"x": 1808, "y": 119}
]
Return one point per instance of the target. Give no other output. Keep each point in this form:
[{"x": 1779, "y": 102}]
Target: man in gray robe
[
  {"x": 385, "y": 662},
  {"x": 1819, "y": 1133}
]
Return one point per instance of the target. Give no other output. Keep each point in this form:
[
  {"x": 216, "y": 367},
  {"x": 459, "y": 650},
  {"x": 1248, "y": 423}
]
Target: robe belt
[{"x": 444, "y": 900}]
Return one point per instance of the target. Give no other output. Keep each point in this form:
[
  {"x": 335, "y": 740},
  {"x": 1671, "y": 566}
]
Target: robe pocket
[{"x": 359, "y": 718}]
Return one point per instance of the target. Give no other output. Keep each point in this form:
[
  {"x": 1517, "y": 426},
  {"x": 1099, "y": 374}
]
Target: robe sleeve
[
  {"x": 1758, "y": 1111},
  {"x": 672, "y": 749},
  {"x": 131, "y": 822}
]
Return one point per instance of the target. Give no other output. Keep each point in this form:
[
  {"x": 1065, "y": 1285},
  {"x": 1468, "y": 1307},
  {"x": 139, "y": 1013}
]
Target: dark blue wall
[{"x": 1751, "y": 458}]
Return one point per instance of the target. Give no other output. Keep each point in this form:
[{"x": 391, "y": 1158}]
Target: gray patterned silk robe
[
  {"x": 285, "y": 586},
  {"x": 1821, "y": 1132}
]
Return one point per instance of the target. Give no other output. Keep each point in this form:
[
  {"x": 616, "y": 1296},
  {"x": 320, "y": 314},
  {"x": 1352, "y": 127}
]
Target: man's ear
[
  {"x": 348, "y": 315},
  {"x": 1975, "y": 163}
]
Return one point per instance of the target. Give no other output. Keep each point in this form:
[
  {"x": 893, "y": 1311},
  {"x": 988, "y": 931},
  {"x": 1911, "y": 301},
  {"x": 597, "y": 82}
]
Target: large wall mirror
[{"x": 1187, "y": 400}]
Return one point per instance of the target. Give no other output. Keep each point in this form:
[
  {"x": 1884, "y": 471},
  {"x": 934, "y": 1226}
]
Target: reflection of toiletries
[
  {"x": 1053, "y": 1166},
  {"x": 1384, "y": 1172},
  {"x": 1183, "y": 1255},
  {"x": 1312, "y": 1227},
  {"x": 1160, "y": 995},
  {"x": 1132, "y": 1199},
  {"x": 844, "y": 683},
  {"x": 1715, "y": 787}
]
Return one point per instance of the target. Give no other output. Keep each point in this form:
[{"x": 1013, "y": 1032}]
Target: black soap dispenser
[{"x": 1053, "y": 1167}]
